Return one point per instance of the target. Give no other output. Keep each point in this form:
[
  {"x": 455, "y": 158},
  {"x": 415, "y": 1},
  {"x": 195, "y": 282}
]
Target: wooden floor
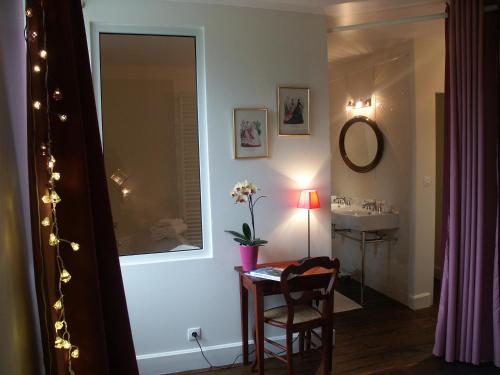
[{"x": 383, "y": 338}]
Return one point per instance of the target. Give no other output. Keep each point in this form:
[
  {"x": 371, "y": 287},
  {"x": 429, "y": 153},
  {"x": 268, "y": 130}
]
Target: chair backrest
[{"x": 308, "y": 294}]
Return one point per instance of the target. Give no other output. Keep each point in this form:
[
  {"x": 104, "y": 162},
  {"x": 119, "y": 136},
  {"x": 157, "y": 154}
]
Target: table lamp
[{"x": 309, "y": 200}]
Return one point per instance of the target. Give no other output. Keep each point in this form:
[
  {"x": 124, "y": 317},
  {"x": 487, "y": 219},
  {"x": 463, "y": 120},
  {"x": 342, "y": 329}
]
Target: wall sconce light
[{"x": 362, "y": 103}]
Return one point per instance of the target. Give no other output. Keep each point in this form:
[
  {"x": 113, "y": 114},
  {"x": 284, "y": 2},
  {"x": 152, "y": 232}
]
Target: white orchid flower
[
  {"x": 243, "y": 193},
  {"x": 252, "y": 187}
]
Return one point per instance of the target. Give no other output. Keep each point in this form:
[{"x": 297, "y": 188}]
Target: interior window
[{"x": 150, "y": 141}]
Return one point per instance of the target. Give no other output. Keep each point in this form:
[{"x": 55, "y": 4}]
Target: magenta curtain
[{"x": 468, "y": 327}]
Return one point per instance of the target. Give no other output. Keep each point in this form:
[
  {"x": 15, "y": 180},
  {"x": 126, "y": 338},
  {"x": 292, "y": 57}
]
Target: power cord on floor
[
  {"x": 195, "y": 335},
  {"x": 226, "y": 367}
]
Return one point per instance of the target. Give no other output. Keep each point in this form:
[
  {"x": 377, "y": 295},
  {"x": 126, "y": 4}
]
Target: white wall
[
  {"x": 248, "y": 52},
  {"x": 429, "y": 79},
  {"x": 20, "y": 347}
]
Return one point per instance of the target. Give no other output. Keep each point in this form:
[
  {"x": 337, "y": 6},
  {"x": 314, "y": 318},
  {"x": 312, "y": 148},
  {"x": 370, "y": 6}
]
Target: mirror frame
[{"x": 380, "y": 144}]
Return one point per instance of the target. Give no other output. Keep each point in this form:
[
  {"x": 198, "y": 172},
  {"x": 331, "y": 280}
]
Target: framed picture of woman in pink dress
[
  {"x": 293, "y": 111},
  {"x": 250, "y": 133}
]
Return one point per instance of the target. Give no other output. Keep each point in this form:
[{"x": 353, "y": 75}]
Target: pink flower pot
[{"x": 249, "y": 255}]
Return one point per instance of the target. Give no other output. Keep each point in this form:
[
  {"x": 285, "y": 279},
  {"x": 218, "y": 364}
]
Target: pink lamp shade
[{"x": 308, "y": 199}]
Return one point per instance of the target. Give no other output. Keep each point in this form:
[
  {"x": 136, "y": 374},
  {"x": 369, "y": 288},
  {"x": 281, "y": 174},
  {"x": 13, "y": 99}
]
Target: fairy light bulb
[
  {"x": 57, "y": 94},
  {"x": 46, "y": 199},
  {"x": 75, "y": 353},
  {"x": 58, "y": 342},
  {"x": 65, "y": 276},
  {"x": 51, "y": 162},
  {"x": 46, "y": 221},
  {"x": 66, "y": 344},
  {"x": 54, "y": 197},
  {"x": 63, "y": 117},
  {"x": 53, "y": 240},
  {"x": 37, "y": 104},
  {"x": 32, "y": 36},
  {"x": 58, "y": 325},
  {"x": 29, "y": 12},
  {"x": 37, "y": 68},
  {"x": 58, "y": 305},
  {"x": 43, "y": 54},
  {"x": 75, "y": 246},
  {"x": 55, "y": 176}
]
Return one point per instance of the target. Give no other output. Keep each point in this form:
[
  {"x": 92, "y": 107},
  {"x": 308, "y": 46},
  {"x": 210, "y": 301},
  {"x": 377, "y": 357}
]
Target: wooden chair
[{"x": 300, "y": 315}]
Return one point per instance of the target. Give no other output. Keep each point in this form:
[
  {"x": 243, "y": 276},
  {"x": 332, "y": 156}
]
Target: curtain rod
[{"x": 401, "y": 21}]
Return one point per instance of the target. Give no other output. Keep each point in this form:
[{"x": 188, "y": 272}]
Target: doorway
[{"x": 389, "y": 67}]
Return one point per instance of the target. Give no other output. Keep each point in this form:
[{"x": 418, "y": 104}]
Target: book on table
[{"x": 270, "y": 273}]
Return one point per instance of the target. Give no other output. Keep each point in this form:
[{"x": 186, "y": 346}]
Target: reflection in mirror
[
  {"x": 361, "y": 144},
  {"x": 150, "y": 141}
]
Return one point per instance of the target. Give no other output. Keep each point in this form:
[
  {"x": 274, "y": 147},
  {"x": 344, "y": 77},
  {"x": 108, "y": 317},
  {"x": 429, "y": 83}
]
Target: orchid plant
[{"x": 245, "y": 192}]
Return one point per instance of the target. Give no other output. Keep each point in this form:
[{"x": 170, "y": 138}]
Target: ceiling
[
  {"x": 329, "y": 7},
  {"x": 347, "y": 44},
  {"x": 351, "y": 43},
  {"x": 359, "y": 41},
  {"x": 341, "y": 45}
]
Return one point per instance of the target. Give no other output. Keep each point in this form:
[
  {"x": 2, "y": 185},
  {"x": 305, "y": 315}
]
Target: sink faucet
[
  {"x": 342, "y": 200},
  {"x": 370, "y": 205}
]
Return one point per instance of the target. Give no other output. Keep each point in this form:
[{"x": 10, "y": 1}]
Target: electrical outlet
[{"x": 190, "y": 333}]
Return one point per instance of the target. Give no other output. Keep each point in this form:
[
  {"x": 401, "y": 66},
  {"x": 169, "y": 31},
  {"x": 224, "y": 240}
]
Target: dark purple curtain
[
  {"x": 95, "y": 304},
  {"x": 468, "y": 328}
]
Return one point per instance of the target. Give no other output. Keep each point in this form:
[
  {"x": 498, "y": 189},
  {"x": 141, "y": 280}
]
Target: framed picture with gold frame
[
  {"x": 293, "y": 110},
  {"x": 250, "y": 133}
]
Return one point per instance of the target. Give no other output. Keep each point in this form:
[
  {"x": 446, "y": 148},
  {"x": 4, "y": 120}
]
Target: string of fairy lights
[{"x": 42, "y": 106}]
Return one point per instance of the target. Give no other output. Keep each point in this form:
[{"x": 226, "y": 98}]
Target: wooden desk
[{"x": 314, "y": 278}]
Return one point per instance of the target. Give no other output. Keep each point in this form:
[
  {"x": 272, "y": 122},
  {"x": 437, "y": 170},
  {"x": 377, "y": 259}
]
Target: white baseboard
[
  {"x": 419, "y": 301},
  {"x": 191, "y": 359},
  {"x": 188, "y": 359}
]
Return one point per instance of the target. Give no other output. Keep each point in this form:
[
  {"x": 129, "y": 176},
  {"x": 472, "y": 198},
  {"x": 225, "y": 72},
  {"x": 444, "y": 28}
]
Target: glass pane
[{"x": 150, "y": 141}]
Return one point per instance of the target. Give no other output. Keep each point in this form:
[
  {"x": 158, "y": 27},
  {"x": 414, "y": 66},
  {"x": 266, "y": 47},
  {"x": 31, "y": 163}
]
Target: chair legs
[
  {"x": 326, "y": 338},
  {"x": 305, "y": 339},
  {"x": 301, "y": 343},
  {"x": 289, "y": 351},
  {"x": 308, "y": 339}
]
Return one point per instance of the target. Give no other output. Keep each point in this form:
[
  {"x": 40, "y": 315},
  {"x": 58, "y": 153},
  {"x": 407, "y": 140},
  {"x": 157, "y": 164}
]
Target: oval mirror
[{"x": 361, "y": 144}]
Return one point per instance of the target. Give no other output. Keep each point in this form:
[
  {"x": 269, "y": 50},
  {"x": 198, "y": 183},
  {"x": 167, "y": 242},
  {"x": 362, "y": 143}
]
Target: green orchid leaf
[
  {"x": 259, "y": 242},
  {"x": 236, "y": 234},
  {"x": 246, "y": 231}
]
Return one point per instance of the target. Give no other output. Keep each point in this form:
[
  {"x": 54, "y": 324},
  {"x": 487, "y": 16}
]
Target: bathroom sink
[{"x": 346, "y": 217}]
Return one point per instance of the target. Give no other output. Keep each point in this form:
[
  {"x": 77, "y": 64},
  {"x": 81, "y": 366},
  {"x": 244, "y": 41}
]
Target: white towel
[{"x": 167, "y": 228}]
